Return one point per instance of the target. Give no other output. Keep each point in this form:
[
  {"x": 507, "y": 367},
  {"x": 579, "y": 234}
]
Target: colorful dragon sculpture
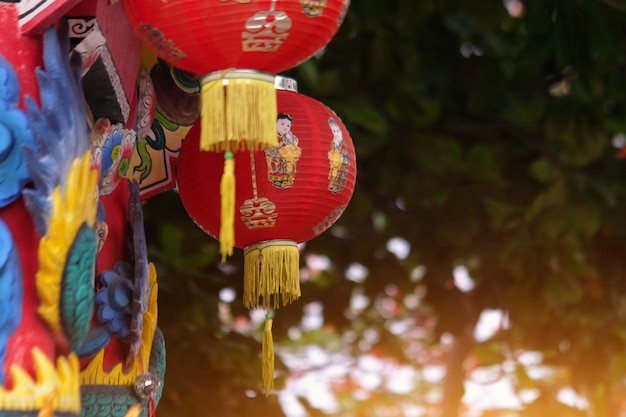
[{"x": 89, "y": 126}]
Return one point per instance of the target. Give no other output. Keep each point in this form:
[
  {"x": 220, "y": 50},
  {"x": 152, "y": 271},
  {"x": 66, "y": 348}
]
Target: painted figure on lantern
[
  {"x": 281, "y": 161},
  {"x": 338, "y": 159},
  {"x": 313, "y": 8}
]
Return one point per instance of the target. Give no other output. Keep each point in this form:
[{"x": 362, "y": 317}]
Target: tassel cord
[
  {"x": 227, "y": 219},
  {"x": 268, "y": 356}
]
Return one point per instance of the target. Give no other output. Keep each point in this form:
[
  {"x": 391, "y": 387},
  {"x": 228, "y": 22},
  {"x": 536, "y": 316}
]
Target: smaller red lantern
[{"x": 286, "y": 195}]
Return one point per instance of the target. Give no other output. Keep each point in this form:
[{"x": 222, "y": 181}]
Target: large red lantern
[
  {"x": 237, "y": 45},
  {"x": 285, "y": 195}
]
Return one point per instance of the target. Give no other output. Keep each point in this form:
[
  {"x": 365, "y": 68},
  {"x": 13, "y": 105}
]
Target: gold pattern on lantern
[
  {"x": 257, "y": 213},
  {"x": 266, "y": 30},
  {"x": 329, "y": 220},
  {"x": 313, "y": 8},
  {"x": 153, "y": 36}
]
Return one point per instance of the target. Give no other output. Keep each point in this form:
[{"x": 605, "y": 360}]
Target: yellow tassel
[
  {"x": 268, "y": 356},
  {"x": 238, "y": 111},
  {"x": 227, "y": 219},
  {"x": 213, "y": 119},
  {"x": 271, "y": 272}
]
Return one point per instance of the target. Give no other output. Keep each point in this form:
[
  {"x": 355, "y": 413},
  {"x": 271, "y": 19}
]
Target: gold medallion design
[
  {"x": 266, "y": 30},
  {"x": 257, "y": 212}
]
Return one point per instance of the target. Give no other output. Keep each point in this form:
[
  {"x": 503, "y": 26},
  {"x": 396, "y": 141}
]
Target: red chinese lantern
[
  {"x": 286, "y": 195},
  {"x": 235, "y": 44}
]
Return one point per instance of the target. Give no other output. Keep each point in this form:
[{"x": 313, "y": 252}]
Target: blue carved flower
[
  {"x": 114, "y": 299},
  {"x": 14, "y": 133}
]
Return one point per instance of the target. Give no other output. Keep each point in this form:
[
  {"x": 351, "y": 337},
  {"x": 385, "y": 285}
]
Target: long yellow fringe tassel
[
  {"x": 271, "y": 272},
  {"x": 268, "y": 356},
  {"x": 238, "y": 111},
  {"x": 227, "y": 195}
]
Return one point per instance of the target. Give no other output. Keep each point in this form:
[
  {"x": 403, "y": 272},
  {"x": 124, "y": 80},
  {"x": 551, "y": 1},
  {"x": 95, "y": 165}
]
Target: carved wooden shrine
[{"x": 96, "y": 100}]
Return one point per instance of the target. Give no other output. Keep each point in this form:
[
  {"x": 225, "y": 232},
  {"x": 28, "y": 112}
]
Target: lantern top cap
[
  {"x": 285, "y": 83},
  {"x": 268, "y": 244},
  {"x": 237, "y": 74},
  {"x": 280, "y": 83}
]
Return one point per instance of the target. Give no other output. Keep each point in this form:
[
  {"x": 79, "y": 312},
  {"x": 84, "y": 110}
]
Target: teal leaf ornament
[{"x": 77, "y": 286}]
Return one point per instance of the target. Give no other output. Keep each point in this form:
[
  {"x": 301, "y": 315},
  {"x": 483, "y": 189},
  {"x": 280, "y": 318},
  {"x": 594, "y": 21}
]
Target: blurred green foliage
[{"x": 483, "y": 139}]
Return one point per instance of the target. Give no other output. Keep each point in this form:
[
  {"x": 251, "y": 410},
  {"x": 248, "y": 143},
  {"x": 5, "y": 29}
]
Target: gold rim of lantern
[
  {"x": 271, "y": 273},
  {"x": 238, "y": 111},
  {"x": 237, "y": 74}
]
